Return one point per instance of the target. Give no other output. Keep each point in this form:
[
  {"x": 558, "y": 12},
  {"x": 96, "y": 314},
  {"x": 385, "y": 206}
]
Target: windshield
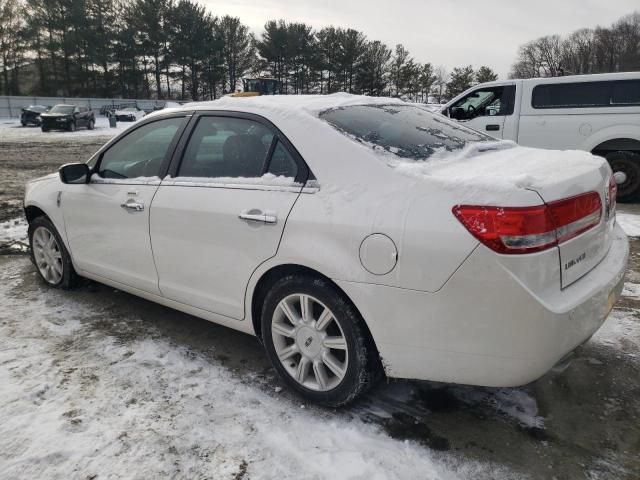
[
  {"x": 407, "y": 131},
  {"x": 66, "y": 109}
]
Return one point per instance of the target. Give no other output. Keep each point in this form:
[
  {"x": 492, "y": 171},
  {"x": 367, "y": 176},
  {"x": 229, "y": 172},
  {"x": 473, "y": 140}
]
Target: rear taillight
[{"x": 512, "y": 230}]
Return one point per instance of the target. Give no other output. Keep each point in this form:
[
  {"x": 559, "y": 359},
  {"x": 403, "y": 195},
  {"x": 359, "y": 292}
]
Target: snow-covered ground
[
  {"x": 630, "y": 223},
  {"x": 79, "y": 402},
  {"x": 12, "y": 131}
]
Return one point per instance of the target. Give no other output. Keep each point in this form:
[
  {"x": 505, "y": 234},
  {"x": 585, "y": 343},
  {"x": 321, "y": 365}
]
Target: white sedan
[
  {"x": 129, "y": 114},
  {"x": 356, "y": 237}
]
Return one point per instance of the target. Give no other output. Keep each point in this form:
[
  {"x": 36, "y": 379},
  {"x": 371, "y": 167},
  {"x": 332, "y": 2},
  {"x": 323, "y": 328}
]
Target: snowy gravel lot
[{"x": 96, "y": 383}]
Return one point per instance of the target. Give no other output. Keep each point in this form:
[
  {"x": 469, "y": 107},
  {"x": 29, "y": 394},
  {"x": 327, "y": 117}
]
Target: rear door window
[{"x": 226, "y": 147}]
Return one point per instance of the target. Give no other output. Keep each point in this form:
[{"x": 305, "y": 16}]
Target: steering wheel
[{"x": 471, "y": 111}]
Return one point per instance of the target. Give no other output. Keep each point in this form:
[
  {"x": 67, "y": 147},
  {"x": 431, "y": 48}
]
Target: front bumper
[{"x": 484, "y": 327}]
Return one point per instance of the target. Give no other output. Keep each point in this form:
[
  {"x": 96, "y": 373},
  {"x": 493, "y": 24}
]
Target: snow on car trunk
[{"x": 572, "y": 187}]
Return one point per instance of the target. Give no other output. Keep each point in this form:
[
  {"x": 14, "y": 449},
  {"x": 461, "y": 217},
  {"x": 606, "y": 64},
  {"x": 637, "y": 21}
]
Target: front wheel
[
  {"x": 317, "y": 341},
  {"x": 629, "y": 164},
  {"x": 49, "y": 254}
]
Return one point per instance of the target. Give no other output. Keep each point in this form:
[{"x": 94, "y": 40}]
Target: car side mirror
[{"x": 75, "y": 173}]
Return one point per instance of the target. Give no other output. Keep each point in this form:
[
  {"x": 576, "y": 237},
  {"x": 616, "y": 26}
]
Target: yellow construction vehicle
[{"x": 254, "y": 87}]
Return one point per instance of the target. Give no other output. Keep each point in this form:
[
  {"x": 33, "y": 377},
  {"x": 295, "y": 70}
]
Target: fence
[{"x": 10, "y": 106}]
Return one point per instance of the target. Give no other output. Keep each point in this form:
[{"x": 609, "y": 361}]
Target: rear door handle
[
  {"x": 255, "y": 215},
  {"x": 133, "y": 205},
  {"x": 493, "y": 128}
]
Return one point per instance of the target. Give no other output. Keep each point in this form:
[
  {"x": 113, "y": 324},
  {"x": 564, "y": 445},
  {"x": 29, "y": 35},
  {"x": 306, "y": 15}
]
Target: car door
[
  {"x": 485, "y": 109},
  {"x": 107, "y": 219},
  {"x": 223, "y": 211}
]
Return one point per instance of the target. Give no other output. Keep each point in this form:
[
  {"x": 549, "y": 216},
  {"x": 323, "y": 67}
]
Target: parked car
[
  {"x": 31, "y": 115},
  {"x": 129, "y": 114},
  {"x": 354, "y": 236},
  {"x": 68, "y": 117},
  {"x": 596, "y": 113}
]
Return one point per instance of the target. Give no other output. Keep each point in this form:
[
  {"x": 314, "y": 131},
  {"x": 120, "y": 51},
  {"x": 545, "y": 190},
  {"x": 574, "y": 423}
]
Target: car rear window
[{"x": 406, "y": 131}]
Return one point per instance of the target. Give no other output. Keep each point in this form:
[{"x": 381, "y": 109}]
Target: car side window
[
  {"x": 485, "y": 102},
  {"x": 282, "y": 163},
  {"x": 142, "y": 153},
  {"x": 226, "y": 147}
]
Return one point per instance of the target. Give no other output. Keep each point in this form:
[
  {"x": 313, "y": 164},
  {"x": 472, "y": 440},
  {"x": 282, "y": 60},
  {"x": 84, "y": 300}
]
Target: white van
[{"x": 597, "y": 113}]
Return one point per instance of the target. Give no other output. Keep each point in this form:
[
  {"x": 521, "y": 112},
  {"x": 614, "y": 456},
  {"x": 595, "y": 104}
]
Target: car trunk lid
[
  {"x": 577, "y": 212},
  {"x": 580, "y": 254}
]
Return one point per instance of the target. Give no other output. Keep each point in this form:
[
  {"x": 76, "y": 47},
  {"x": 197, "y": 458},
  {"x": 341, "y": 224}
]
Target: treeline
[
  {"x": 588, "y": 50},
  {"x": 178, "y": 49}
]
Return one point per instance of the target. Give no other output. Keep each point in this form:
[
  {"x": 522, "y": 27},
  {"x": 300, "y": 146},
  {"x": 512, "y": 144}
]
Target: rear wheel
[
  {"x": 317, "y": 342},
  {"x": 629, "y": 164},
  {"x": 49, "y": 254}
]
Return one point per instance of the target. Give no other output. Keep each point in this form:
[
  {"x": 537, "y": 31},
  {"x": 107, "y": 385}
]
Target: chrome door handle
[
  {"x": 255, "y": 215},
  {"x": 133, "y": 205}
]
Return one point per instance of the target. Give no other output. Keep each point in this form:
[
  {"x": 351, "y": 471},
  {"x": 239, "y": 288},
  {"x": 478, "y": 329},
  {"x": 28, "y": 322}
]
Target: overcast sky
[{"x": 443, "y": 32}]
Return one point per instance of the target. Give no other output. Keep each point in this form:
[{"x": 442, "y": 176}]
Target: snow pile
[
  {"x": 501, "y": 166},
  {"x": 76, "y": 401},
  {"x": 631, "y": 290},
  {"x": 95, "y": 178},
  {"x": 13, "y": 230},
  {"x": 268, "y": 179},
  {"x": 629, "y": 222}
]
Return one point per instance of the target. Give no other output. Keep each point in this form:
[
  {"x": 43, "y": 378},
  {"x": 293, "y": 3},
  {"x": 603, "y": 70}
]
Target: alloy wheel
[
  {"x": 47, "y": 255},
  {"x": 310, "y": 342}
]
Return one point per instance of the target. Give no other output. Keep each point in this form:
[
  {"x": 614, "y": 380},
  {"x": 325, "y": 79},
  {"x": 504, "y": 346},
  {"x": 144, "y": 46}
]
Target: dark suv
[
  {"x": 68, "y": 117},
  {"x": 31, "y": 115}
]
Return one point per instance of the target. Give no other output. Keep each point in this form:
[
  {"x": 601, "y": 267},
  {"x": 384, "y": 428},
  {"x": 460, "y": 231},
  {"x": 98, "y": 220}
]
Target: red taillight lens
[{"x": 513, "y": 230}]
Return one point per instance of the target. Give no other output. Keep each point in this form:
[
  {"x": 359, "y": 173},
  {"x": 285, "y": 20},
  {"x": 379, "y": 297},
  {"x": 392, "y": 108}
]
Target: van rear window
[{"x": 618, "y": 93}]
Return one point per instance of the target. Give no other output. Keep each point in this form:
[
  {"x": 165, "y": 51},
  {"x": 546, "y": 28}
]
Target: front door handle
[
  {"x": 133, "y": 205},
  {"x": 493, "y": 128},
  {"x": 255, "y": 215}
]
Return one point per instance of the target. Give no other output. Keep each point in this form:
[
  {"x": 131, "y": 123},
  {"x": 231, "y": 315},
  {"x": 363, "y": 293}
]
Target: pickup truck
[{"x": 597, "y": 113}]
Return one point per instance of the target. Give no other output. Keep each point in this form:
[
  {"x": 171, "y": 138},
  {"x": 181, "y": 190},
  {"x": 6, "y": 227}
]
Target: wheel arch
[
  {"x": 617, "y": 144},
  {"x": 618, "y": 135},
  {"x": 271, "y": 275},
  {"x": 34, "y": 209},
  {"x": 31, "y": 212}
]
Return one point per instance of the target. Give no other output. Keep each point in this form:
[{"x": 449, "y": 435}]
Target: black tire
[
  {"x": 69, "y": 277},
  {"x": 45, "y": 130},
  {"x": 72, "y": 126},
  {"x": 363, "y": 368},
  {"x": 92, "y": 125},
  {"x": 629, "y": 164},
  {"x": 24, "y": 124}
]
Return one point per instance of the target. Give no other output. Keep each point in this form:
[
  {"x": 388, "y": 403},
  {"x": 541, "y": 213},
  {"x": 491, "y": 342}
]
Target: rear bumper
[{"x": 484, "y": 327}]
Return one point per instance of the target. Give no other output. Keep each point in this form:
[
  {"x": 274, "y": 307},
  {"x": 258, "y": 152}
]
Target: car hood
[{"x": 56, "y": 115}]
